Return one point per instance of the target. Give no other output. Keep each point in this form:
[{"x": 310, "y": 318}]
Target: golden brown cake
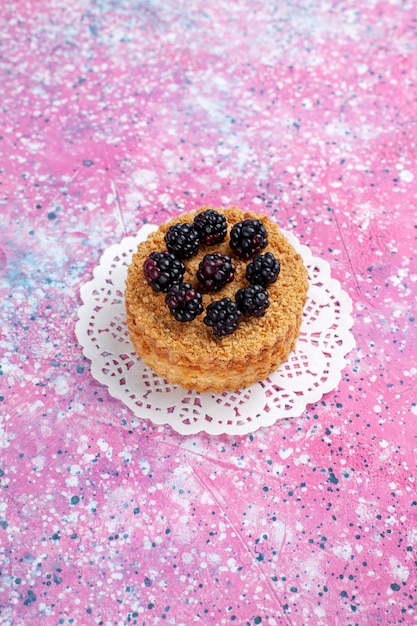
[{"x": 189, "y": 354}]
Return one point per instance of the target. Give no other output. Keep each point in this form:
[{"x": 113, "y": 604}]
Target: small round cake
[{"x": 214, "y": 299}]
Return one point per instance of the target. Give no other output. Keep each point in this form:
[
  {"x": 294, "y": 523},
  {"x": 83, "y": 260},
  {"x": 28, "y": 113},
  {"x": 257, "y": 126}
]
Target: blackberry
[
  {"x": 184, "y": 302},
  {"x": 223, "y": 316},
  {"x": 215, "y": 270},
  {"x": 247, "y": 238},
  {"x": 162, "y": 270},
  {"x": 252, "y": 300},
  {"x": 211, "y": 227},
  {"x": 263, "y": 270},
  {"x": 182, "y": 240}
]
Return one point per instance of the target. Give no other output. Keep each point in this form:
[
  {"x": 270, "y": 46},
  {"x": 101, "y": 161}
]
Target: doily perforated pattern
[{"x": 314, "y": 368}]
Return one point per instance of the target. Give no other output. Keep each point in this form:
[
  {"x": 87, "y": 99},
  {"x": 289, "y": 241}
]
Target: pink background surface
[{"x": 118, "y": 113}]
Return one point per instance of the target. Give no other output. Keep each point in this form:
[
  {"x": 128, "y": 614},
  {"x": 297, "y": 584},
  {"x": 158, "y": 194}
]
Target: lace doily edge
[{"x": 339, "y": 357}]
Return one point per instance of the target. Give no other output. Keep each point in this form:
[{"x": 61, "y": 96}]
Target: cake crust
[{"x": 189, "y": 354}]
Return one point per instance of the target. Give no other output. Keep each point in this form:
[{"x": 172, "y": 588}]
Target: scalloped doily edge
[{"x": 161, "y": 419}]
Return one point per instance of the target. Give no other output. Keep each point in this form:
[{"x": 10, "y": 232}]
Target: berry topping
[
  {"x": 162, "y": 270},
  {"x": 215, "y": 270},
  {"x": 252, "y": 300},
  {"x": 263, "y": 270},
  {"x": 247, "y": 238},
  {"x": 184, "y": 302},
  {"x": 223, "y": 316},
  {"x": 182, "y": 240},
  {"x": 211, "y": 227}
]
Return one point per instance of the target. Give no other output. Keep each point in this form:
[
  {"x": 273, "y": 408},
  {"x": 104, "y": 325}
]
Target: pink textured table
[{"x": 118, "y": 113}]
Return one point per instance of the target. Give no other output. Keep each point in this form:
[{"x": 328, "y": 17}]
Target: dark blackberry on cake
[
  {"x": 215, "y": 270},
  {"x": 211, "y": 227},
  {"x": 184, "y": 302},
  {"x": 162, "y": 270},
  {"x": 252, "y": 300},
  {"x": 247, "y": 238},
  {"x": 182, "y": 240},
  {"x": 263, "y": 270},
  {"x": 222, "y": 316}
]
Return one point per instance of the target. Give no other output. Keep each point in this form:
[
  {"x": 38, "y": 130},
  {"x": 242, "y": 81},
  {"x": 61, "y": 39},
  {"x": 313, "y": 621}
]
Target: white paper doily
[{"x": 313, "y": 369}]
